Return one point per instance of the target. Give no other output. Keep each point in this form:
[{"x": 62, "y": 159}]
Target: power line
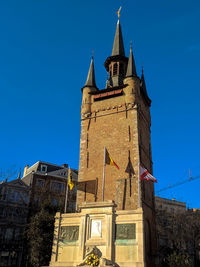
[{"x": 179, "y": 183}]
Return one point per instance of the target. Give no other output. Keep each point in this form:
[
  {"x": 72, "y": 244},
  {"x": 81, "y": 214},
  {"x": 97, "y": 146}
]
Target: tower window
[
  {"x": 121, "y": 69},
  {"x": 87, "y": 140},
  {"x": 87, "y": 159},
  {"x": 115, "y": 69},
  {"x": 129, "y": 133}
]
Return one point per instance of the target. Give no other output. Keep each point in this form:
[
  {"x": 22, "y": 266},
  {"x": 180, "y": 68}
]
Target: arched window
[{"x": 115, "y": 69}]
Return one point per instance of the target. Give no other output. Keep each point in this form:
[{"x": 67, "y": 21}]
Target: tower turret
[
  {"x": 131, "y": 69},
  {"x": 116, "y": 64},
  {"x": 90, "y": 86},
  {"x": 131, "y": 81},
  {"x": 143, "y": 89}
]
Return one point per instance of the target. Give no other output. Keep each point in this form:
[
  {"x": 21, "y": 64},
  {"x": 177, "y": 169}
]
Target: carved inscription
[
  {"x": 69, "y": 233},
  {"x": 125, "y": 231}
]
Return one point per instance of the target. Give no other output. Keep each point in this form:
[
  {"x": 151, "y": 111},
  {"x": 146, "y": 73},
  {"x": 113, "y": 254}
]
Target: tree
[
  {"x": 40, "y": 230},
  {"x": 176, "y": 259},
  {"x": 8, "y": 173},
  {"x": 40, "y": 234},
  {"x": 177, "y": 237}
]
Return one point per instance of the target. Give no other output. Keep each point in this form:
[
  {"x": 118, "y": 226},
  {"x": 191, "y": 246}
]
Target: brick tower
[
  {"x": 118, "y": 118},
  {"x": 115, "y": 218}
]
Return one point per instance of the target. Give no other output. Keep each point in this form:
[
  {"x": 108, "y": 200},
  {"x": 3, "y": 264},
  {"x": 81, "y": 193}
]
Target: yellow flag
[{"x": 70, "y": 182}]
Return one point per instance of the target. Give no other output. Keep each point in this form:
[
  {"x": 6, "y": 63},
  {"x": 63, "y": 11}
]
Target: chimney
[
  {"x": 19, "y": 175},
  {"x": 65, "y": 165},
  {"x": 25, "y": 170}
]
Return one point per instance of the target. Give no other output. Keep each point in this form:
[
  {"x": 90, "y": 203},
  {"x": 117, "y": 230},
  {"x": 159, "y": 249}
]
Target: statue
[
  {"x": 118, "y": 12},
  {"x": 93, "y": 258}
]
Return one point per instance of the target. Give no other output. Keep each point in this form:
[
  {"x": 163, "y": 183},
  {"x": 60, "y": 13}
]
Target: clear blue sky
[{"x": 45, "y": 50}]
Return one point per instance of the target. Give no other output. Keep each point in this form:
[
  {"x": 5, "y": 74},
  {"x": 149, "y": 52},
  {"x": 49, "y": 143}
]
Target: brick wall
[{"x": 123, "y": 127}]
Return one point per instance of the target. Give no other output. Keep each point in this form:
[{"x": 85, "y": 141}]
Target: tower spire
[
  {"x": 143, "y": 84},
  {"x": 90, "y": 82},
  {"x": 131, "y": 69},
  {"x": 118, "y": 45},
  {"x": 144, "y": 89},
  {"x": 116, "y": 64}
]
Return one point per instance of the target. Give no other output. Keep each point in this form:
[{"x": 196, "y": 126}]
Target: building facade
[
  {"x": 50, "y": 180},
  {"x": 178, "y": 230},
  {"x": 169, "y": 205},
  {"x": 14, "y": 201}
]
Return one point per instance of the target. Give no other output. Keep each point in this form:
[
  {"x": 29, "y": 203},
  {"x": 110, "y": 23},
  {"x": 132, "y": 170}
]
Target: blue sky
[{"x": 45, "y": 50}]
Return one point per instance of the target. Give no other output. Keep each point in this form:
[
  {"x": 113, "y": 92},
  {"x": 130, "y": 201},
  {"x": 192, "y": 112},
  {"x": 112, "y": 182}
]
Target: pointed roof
[
  {"x": 131, "y": 70},
  {"x": 144, "y": 89},
  {"x": 143, "y": 84},
  {"x": 91, "y": 76},
  {"x": 118, "y": 45}
]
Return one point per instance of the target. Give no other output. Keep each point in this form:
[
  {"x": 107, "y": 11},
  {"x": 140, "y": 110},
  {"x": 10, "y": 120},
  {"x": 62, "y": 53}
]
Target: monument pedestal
[{"x": 100, "y": 234}]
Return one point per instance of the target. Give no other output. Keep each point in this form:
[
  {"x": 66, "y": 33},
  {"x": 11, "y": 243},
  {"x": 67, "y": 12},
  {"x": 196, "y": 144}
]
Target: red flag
[{"x": 145, "y": 175}]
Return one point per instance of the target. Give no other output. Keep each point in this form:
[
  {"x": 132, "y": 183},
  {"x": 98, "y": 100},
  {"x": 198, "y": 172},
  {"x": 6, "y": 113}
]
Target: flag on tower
[
  {"x": 70, "y": 182},
  {"x": 145, "y": 175},
  {"x": 109, "y": 160}
]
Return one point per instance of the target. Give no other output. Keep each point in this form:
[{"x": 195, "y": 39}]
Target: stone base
[{"x": 117, "y": 236}]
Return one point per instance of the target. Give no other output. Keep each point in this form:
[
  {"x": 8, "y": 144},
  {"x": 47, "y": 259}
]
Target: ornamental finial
[{"x": 118, "y": 12}]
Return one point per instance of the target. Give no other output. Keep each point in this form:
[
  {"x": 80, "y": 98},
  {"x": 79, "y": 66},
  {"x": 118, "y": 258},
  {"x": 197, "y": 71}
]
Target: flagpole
[
  {"x": 139, "y": 187},
  {"x": 104, "y": 167},
  {"x": 67, "y": 189}
]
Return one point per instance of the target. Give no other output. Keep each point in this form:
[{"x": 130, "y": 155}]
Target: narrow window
[
  {"x": 87, "y": 159},
  {"x": 89, "y": 124},
  {"x": 115, "y": 69},
  {"x": 85, "y": 190},
  {"x": 87, "y": 140},
  {"x": 40, "y": 183},
  {"x": 121, "y": 69}
]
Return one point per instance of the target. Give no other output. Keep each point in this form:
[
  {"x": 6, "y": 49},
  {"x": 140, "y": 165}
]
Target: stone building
[
  {"x": 178, "y": 229},
  {"x": 46, "y": 179},
  {"x": 14, "y": 200},
  {"x": 116, "y": 218},
  {"x": 169, "y": 205}
]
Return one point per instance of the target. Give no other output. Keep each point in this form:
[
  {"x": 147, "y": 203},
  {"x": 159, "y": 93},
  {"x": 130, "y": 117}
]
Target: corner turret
[
  {"x": 143, "y": 89},
  {"x": 131, "y": 69},
  {"x": 90, "y": 86},
  {"x": 131, "y": 81}
]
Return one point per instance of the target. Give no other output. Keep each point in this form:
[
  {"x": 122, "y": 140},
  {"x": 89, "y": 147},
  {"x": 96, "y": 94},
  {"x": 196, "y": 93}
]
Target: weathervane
[{"x": 118, "y": 12}]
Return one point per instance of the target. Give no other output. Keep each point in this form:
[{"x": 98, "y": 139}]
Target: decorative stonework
[
  {"x": 125, "y": 231},
  {"x": 69, "y": 233}
]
